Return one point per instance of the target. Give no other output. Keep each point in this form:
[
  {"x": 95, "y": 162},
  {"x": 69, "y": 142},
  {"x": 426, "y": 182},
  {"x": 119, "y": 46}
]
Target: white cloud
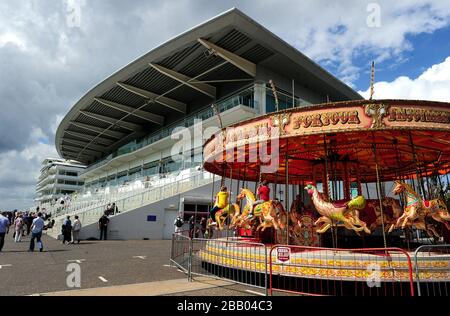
[
  {"x": 433, "y": 84},
  {"x": 11, "y": 38},
  {"x": 19, "y": 171},
  {"x": 49, "y": 65}
]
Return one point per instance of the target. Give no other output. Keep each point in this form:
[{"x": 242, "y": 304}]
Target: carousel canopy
[{"x": 336, "y": 141}]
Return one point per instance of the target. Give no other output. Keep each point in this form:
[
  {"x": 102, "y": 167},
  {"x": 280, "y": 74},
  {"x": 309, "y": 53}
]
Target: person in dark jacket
[
  {"x": 103, "y": 226},
  {"x": 66, "y": 230}
]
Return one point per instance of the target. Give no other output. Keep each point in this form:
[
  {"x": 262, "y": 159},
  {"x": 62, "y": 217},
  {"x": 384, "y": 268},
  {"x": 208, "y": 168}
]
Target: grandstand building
[
  {"x": 58, "y": 178},
  {"x": 121, "y": 129}
]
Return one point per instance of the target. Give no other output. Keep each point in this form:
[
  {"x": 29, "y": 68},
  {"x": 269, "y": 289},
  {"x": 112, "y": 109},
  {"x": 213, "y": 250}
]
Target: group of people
[
  {"x": 35, "y": 227},
  {"x": 195, "y": 229},
  {"x": 69, "y": 230},
  {"x": 111, "y": 209}
]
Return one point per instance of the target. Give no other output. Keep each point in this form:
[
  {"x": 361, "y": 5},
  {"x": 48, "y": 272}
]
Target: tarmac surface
[{"x": 111, "y": 268}]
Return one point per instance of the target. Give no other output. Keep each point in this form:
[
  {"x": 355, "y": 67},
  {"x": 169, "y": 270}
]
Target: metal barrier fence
[
  {"x": 432, "y": 270},
  {"x": 242, "y": 262},
  {"x": 180, "y": 250},
  {"x": 318, "y": 271}
]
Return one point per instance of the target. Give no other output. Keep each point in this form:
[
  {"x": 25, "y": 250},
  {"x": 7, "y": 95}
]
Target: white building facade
[{"x": 58, "y": 178}]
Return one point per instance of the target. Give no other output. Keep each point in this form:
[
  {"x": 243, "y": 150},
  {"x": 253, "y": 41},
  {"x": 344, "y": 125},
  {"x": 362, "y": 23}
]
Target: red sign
[{"x": 283, "y": 254}]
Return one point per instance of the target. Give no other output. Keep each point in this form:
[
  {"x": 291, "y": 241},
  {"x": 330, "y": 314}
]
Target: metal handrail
[{"x": 140, "y": 196}]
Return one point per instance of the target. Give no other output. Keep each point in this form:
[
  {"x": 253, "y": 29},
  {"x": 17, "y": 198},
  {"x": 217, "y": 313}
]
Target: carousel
[{"x": 356, "y": 174}]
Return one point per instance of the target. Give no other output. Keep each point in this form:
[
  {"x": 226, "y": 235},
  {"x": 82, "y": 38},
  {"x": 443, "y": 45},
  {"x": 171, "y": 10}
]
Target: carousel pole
[
  {"x": 244, "y": 186},
  {"x": 367, "y": 189},
  {"x": 428, "y": 177},
  {"x": 244, "y": 182},
  {"x": 358, "y": 175},
  {"x": 372, "y": 81},
  {"x": 441, "y": 188},
  {"x": 379, "y": 189},
  {"x": 237, "y": 193},
  {"x": 208, "y": 228},
  {"x": 335, "y": 193},
  {"x": 397, "y": 157},
  {"x": 229, "y": 199},
  {"x": 345, "y": 182},
  {"x": 238, "y": 181},
  {"x": 212, "y": 190},
  {"x": 286, "y": 194},
  {"x": 222, "y": 181},
  {"x": 326, "y": 180},
  {"x": 419, "y": 179}
]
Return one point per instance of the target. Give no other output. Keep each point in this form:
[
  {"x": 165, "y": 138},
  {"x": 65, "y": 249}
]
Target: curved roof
[{"x": 157, "y": 88}]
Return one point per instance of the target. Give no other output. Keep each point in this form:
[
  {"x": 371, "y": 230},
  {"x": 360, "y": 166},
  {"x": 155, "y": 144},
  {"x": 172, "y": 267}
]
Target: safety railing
[
  {"x": 180, "y": 250},
  {"x": 432, "y": 270},
  {"x": 172, "y": 187},
  {"x": 241, "y": 262},
  {"x": 309, "y": 271},
  {"x": 317, "y": 271}
]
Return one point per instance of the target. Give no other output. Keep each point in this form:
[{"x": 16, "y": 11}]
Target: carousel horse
[
  {"x": 222, "y": 214},
  {"x": 389, "y": 221},
  {"x": 417, "y": 211},
  {"x": 269, "y": 214},
  {"x": 295, "y": 224},
  {"x": 347, "y": 212}
]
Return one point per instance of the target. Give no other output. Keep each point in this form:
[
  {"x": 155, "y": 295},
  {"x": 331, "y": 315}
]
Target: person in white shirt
[
  {"x": 36, "y": 232},
  {"x": 76, "y": 230}
]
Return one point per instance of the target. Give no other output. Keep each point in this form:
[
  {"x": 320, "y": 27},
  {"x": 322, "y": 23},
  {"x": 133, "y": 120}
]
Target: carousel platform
[{"x": 325, "y": 264}]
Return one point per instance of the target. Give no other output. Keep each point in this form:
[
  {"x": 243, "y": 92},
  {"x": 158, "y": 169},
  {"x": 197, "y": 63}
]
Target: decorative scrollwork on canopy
[{"x": 377, "y": 112}]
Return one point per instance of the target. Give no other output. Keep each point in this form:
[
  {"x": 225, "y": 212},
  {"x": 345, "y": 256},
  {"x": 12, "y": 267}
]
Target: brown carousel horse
[
  {"x": 389, "y": 221},
  {"x": 417, "y": 211},
  {"x": 295, "y": 223},
  {"x": 269, "y": 214},
  {"x": 332, "y": 214}
]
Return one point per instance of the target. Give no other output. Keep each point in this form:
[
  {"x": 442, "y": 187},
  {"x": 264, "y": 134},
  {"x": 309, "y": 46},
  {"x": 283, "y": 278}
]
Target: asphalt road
[{"x": 116, "y": 262}]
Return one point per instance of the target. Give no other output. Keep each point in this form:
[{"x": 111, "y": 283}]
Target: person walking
[
  {"x": 178, "y": 223},
  {"x": 36, "y": 232},
  {"x": 66, "y": 230},
  {"x": 76, "y": 230},
  {"x": 29, "y": 221},
  {"x": 4, "y": 229},
  {"x": 18, "y": 227},
  {"x": 115, "y": 209},
  {"x": 103, "y": 226}
]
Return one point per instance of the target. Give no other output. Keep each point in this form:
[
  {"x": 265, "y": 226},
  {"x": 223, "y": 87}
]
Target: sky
[{"x": 53, "y": 51}]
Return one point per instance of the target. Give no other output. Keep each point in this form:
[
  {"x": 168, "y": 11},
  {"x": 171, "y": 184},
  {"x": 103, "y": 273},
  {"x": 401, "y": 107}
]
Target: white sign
[{"x": 283, "y": 254}]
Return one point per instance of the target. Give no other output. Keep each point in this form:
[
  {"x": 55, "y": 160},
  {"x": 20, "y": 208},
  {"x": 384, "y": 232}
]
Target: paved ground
[
  {"x": 106, "y": 266},
  {"x": 24, "y": 273}
]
